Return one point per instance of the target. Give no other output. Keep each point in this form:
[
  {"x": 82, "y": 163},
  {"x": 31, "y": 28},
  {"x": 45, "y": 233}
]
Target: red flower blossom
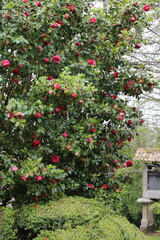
[
  {"x": 39, "y": 178},
  {"x": 72, "y": 8},
  {"x": 38, "y": 4},
  {"x": 49, "y": 77},
  {"x": 5, "y": 63},
  {"x": 115, "y": 74},
  {"x": 131, "y": 82},
  {"x": 92, "y": 20},
  {"x": 57, "y": 86},
  {"x": 91, "y": 62},
  {"x": 132, "y": 19},
  {"x": 90, "y": 186},
  {"x": 138, "y": 45},
  {"x": 38, "y": 115},
  {"x": 56, "y": 59},
  {"x": 16, "y": 71},
  {"x": 46, "y": 60},
  {"x": 113, "y": 132},
  {"x": 93, "y": 130},
  {"x": 26, "y": 13},
  {"x": 11, "y": 115},
  {"x": 46, "y": 43},
  {"x": 129, "y": 163},
  {"x": 104, "y": 186},
  {"x": 74, "y": 95},
  {"x": 130, "y": 122},
  {"x": 15, "y": 80},
  {"x": 55, "y": 25},
  {"x": 68, "y": 147},
  {"x": 146, "y": 8},
  {"x": 67, "y": 16},
  {"x": 65, "y": 134},
  {"x": 36, "y": 143},
  {"x": 55, "y": 158},
  {"x": 90, "y": 140},
  {"x": 24, "y": 178}
]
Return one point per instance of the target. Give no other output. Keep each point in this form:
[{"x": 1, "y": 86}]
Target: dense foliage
[
  {"x": 69, "y": 218},
  {"x": 63, "y": 77}
]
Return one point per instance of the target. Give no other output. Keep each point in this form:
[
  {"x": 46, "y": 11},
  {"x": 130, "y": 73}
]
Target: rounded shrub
[
  {"x": 69, "y": 218},
  {"x": 112, "y": 227}
]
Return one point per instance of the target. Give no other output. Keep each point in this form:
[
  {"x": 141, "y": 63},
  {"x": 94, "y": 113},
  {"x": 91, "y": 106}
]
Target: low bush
[
  {"x": 69, "y": 218},
  {"x": 8, "y": 229},
  {"x": 112, "y": 227}
]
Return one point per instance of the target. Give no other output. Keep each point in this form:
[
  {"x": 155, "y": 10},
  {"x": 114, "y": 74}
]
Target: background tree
[{"x": 63, "y": 75}]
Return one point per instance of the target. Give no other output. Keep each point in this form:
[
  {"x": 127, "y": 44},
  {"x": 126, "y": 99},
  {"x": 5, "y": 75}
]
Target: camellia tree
[{"x": 63, "y": 117}]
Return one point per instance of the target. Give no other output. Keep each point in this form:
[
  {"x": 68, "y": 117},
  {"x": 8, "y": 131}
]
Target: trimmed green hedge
[
  {"x": 67, "y": 219},
  {"x": 111, "y": 228}
]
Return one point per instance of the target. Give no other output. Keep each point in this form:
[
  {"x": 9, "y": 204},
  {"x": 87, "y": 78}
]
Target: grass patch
[{"x": 152, "y": 237}]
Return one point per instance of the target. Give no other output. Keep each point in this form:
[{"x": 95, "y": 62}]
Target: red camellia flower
[
  {"x": 55, "y": 158},
  {"x": 93, "y": 130},
  {"x": 38, "y": 4},
  {"x": 120, "y": 117},
  {"x": 150, "y": 85},
  {"x": 65, "y": 134},
  {"x": 44, "y": 35},
  {"x": 67, "y": 16},
  {"x": 138, "y": 45},
  {"x": 7, "y": 16},
  {"x": 15, "y": 71},
  {"x": 14, "y": 168},
  {"x": 130, "y": 122},
  {"x": 24, "y": 178},
  {"x": 53, "y": 181},
  {"x": 77, "y": 43},
  {"x": 55, "y": 25},
  {"x": 56, "y": 59},
  {"x": 46, "y": 60},
  {"x": 129, "y": 163},
  {"x": 40, "y": 49},
  {"x": 72, "y": 8},
  {"x": 15, "y": 80},
  {"x": 57, "y": 110},
  {"x": 115, "y": 74},
  {"x": 68, "y": 147},
  {"x": 11, "y": 115},
  {"x": 39, "y": 178},
  {"x": 146, "y": 8},
  {"x": 92, "y": 20},
  {"x": 131, "y": 82},
  {"x": 49, "y": 77},
  {"x": 80, "y": 101},
  {"x": 5, "y": 63},
  {"x": 36, "y": 143},
  {"x": 57, "y": 86},
  {"x": 74, "y": 95},
  {"x": 113, "y": 132},
  {"x": 91, "y": 62},
  {"x": 104, "y": 186},
  {"x": 90, "y": 185},
  {"x": 38, "y": 115},
  {"x": 26, "y": 13},
  {"x": 46, "y": 43},
  {"x": 132, "y": 19},
  {"x": 126, "y": 87},
  {"x": 90, "y": 140}
]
